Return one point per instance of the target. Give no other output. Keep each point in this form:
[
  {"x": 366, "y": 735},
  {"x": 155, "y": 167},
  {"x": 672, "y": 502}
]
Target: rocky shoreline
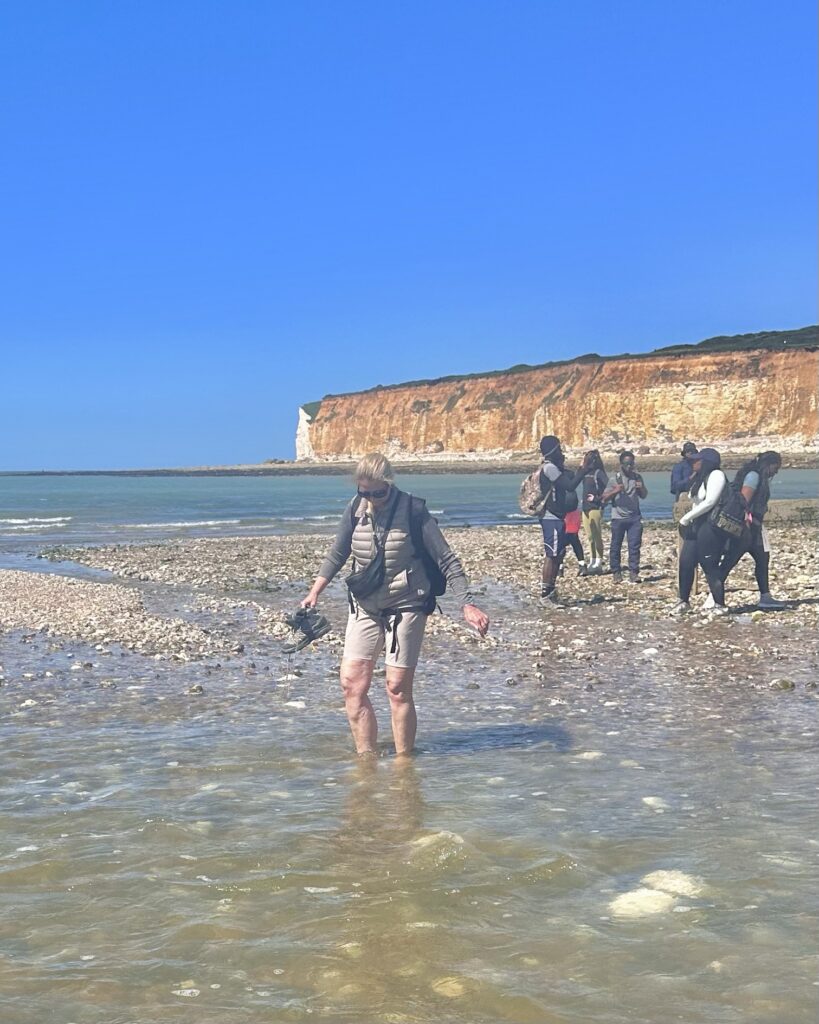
[
  {"x": 206, "y": 598},
  {"x": 478, "y": 462}
]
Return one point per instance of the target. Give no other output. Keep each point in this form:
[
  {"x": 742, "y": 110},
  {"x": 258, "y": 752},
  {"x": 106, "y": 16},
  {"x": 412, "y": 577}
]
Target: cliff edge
[{"x": 740, "y": 393}]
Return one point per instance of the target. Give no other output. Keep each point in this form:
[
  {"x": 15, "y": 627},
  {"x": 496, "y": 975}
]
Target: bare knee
[
  {"x": 399, "y": 685},
  {"x": 356, "y": 677}
]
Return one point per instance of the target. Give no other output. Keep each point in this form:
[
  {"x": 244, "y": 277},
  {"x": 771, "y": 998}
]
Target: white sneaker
[
  {"x": 719, "y": 609},
  {"x": 681, "y": 608}
]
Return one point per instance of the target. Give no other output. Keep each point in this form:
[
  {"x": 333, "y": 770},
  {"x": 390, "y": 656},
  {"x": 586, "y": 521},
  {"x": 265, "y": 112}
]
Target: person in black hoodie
[{"x": 560, "y": 485}]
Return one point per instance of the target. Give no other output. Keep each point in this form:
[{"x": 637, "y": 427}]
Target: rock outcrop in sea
[{"x": 741, "y": 393}]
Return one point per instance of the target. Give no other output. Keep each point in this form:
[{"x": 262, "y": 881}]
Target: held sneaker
[
  {"x": 307, "y": 625},
  {"x": 770, "y": 604}
]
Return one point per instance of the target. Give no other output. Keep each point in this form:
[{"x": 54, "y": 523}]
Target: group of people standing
[
  {"x": 563, "y": 514},
  {"x": 719, "y": 522}
]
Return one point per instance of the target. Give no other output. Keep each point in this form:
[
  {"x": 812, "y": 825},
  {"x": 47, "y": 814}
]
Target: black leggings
[
  {"x": 706, "y": 547},
  {"x": 749, "y": 543},
  {"x": 573, "y": 541}
]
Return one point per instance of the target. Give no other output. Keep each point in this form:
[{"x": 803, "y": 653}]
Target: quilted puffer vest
[{"x": 406, "y": 584}]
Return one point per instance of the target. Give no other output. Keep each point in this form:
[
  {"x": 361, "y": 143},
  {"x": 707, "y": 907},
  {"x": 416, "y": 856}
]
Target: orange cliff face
[{"x": 740, "y": 400}]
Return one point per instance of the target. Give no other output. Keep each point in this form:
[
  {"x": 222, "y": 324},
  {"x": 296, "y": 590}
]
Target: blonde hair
[{"x": 374, "y": 466}]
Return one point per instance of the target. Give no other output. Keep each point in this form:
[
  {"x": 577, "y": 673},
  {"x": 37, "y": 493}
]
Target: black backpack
[
  {"x": 437, "y": 580},
  {"x": 729, "y": 514},
  {"x": 563, "y": 498}
]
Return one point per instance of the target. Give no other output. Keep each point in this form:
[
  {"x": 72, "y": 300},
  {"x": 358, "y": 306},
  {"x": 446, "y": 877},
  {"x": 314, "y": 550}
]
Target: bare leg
[
  {"x": 356, "y": 676},
  {"x": 402, "y": 708},
  {"x": 551, "y": 566}
]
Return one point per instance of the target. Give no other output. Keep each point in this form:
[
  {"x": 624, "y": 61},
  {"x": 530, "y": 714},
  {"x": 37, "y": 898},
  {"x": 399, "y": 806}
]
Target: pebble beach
[{"x": 258, "y": 580}]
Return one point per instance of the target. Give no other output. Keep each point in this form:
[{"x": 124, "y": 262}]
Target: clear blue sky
[{"x": 213, "y": 212}]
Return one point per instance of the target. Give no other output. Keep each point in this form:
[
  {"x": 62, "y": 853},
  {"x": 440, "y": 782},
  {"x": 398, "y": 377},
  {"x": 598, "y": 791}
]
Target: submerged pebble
[{"x": 641, "y": 902}]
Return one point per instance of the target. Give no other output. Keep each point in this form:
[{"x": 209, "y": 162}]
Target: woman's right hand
[{"x": 312, "y": 598}]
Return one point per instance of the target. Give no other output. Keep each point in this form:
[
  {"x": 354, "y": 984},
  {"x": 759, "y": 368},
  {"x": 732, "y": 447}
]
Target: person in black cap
[
  {"x": 703, "y": 544},
  {"x": 682, "y": 471},
  {"x": 560, "y": 485}
]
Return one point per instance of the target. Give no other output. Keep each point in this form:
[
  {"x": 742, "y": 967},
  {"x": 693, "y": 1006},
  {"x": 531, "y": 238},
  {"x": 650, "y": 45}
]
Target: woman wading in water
[{"x": 398, "y": 549}]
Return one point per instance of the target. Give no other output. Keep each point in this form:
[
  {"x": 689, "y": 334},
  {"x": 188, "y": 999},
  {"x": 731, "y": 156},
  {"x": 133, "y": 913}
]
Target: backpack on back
[
  {"x": 532, "y": 499},
  {"x": 437, "y": 580},
  {"x": 730, "y": 513}
]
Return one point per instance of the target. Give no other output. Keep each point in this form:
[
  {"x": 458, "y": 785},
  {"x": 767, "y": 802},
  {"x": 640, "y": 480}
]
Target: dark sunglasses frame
[{"x": 381, "y": 493}]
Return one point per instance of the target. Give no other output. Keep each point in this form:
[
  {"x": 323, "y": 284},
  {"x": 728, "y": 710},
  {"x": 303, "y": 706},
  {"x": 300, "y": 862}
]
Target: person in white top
[{"x": 703, "y": 544}]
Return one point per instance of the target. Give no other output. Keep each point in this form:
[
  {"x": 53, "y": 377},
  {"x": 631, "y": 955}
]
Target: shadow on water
[
  {"x": 495, "y": 737},
  {"x": 788, "y": 606},
  {"x": 597, "y": 599}
]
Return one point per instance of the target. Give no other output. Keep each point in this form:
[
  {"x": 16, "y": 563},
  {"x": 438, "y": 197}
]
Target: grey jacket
[{"x": 406, "y": 584}]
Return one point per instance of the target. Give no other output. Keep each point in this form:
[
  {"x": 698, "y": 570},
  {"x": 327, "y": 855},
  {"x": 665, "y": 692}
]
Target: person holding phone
[{"x": 626, "y": 518}]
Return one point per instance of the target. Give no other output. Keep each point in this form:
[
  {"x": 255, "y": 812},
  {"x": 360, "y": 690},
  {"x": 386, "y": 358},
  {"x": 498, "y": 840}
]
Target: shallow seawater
[{"x": 624, "y": 844}]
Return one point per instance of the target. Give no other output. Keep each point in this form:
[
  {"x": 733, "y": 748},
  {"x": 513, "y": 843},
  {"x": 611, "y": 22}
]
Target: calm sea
[{"x": 95, "y": 509}]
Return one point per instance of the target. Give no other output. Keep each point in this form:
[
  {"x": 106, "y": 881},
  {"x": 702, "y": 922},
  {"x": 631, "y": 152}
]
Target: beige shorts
[{"x": 367, "y": 635}]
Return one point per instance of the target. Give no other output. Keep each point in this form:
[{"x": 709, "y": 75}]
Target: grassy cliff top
[{"x": 802, "y": 337}]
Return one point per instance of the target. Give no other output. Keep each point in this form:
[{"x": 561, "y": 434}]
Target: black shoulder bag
[{"x": 729, "y": 514}]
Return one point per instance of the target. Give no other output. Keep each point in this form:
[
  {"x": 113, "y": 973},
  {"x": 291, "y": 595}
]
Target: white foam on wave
[
  {"x": 517, "y": 515},
  {"x": 36, "y": 520},
  {"x": 36, "y": 526},
  {"x": 183, "y": 523},
  {"x": 304, "y": 519}
]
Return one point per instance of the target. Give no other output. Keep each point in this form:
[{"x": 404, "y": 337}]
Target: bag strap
[
  {"x": 388, "y": 524},
  {"x": 354, "y": 517},
  {"x": 542, "y": 478}
]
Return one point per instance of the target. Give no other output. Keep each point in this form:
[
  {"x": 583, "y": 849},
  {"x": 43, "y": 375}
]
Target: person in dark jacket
[
  {"x": 682, "y": 471},
  {"x": 703, "y": 544}
]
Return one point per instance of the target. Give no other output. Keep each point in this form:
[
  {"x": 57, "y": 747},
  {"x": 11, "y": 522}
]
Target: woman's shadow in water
[{"x": 497, "y": 737}]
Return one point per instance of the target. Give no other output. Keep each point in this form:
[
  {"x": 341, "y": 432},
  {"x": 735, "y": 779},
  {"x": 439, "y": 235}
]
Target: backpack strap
[
  {"x": 355, "y": 505},
  {"x": 417, "y": 512}
]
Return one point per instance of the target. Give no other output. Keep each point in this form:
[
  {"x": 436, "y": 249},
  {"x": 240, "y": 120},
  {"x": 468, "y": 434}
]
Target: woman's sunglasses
[{"x": 382, "y": 492}]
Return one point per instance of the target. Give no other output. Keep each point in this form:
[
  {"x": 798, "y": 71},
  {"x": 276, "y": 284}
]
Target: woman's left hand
[{"x": 476, "y": 618}]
